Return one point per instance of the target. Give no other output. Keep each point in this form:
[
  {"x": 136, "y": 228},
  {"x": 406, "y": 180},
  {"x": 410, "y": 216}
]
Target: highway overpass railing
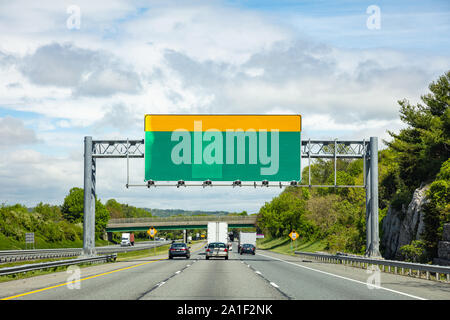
[{"x": 418, "y": 270}]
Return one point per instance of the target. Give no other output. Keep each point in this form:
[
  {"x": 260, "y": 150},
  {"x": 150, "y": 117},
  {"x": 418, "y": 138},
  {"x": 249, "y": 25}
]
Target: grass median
[
  {"x": 162, "y": 250},
  {"x": 124, "y": 256}
]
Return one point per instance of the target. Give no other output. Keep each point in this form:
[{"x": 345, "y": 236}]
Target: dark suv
[
  {"x": 178, "y": 249},
  {"x": 248, "y": 248}
]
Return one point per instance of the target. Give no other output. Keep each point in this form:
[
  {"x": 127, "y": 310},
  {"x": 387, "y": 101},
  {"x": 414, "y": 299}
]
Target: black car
[
  {"x": 248, "y": 248},
  {"x": 179, "y": 249}
]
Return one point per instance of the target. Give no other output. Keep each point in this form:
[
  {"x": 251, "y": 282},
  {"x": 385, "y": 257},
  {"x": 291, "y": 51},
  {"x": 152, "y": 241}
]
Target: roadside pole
[
  {"x": 151, "y": 233},
  {"x": 294, "y": 236}
]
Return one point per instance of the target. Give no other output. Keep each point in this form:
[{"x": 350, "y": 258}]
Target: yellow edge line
[
  {"x": 87, "y": 278},
  {"x": 75, "y": 281}
]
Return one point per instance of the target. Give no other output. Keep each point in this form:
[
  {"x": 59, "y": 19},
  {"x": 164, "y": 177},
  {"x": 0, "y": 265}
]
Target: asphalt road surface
[{"x": 266, "y": 275}]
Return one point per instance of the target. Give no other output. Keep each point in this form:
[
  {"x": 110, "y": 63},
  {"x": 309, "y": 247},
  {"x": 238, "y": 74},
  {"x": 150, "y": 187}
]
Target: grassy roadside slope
[{"x": 284, "y": 245}]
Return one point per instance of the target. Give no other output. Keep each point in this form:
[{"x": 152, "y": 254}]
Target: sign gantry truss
[
  {"x": 335, "y": 149},
  {"x": 310, "y": 149},
  {"x": 118, "y": 148},
  {"x": 330, "y": 149}
]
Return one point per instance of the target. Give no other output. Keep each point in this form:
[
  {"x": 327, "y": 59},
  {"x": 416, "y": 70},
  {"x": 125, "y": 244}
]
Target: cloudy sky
[{"x": 70, "y": 69}]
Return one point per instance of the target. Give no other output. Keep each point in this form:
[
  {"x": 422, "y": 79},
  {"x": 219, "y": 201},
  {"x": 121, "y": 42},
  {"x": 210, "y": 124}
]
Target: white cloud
[
  {"x": 29, "y": 177},
  {"x": 301, "y": 77},
  {"x": 181, "y": 57},
  {"x": 13, "y": 133},
  {"x": 87, "y": 72},
  {"x": 206, "y": 30}
]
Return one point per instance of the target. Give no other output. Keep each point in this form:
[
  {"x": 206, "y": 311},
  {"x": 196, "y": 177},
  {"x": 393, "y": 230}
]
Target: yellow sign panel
[
  {"x": 161, "y": 122},
  {"x": 152, "y": 232},
  {"x": 294, "y": 235}
]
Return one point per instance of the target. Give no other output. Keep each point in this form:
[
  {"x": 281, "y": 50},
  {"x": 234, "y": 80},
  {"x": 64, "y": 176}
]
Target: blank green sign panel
[{"x": 222, "y": 147}]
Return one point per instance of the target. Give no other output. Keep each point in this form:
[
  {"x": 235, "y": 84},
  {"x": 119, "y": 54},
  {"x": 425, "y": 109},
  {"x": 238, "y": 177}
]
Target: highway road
[{"x": 264, "y": 276}]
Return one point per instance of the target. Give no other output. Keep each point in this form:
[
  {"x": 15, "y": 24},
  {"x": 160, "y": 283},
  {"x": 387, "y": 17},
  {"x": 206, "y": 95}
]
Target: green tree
[
  {"x": 115, "y": 209},
  {"x": 73, "y": 209},
  {"x": 420, "y": 153},
  {"x": 101, "y": 216},
  {"x": 424, "y": 145},
  {"x": 437, "y": 210},
  {"x": 49, "y": 212},
  {"x": 284, "y": 214},
  {"x": 414, "y": 252}
]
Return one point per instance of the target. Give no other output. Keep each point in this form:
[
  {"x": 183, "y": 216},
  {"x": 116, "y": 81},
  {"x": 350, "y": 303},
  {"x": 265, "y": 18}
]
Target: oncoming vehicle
[
  {"x": 248, "y": 248},
  {"x": 127, "y": 239},
  {"x": 216, "y": 250},
  {"x": 178, "y": 249}
]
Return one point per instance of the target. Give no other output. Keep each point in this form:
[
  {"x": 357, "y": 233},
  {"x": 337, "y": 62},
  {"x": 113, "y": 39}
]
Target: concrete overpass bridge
[{"x": 178, "y": 223}]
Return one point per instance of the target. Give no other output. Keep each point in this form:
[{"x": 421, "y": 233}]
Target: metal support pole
[
  {"x": 375, "y": 241},
  {"x": 309, "y": 163},
  {"x": 128, "y": 164},
  {"x": 367, "y": 187},
  {"x": 335, "y": 159},
  {"x": 89, "y": 199}
]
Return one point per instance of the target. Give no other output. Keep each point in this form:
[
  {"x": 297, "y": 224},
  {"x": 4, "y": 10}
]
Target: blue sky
[
  {"x": 127, "y": 59},
  {"x": 407, "y": 25}
]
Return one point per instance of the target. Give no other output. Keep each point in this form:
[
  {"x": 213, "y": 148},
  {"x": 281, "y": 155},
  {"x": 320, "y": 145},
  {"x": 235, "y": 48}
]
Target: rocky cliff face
[{"x": 402, "y": 227}]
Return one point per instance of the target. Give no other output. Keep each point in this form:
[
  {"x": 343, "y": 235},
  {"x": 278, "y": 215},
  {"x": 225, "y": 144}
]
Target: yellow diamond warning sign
[
  {"x": 294, "y": 235},
  {"x": 151, "y": 232}
]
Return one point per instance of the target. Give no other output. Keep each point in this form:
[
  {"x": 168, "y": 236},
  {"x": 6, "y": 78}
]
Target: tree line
[
  {"x": 59, "y": 224},
  {"x": 418, "y": 155}
]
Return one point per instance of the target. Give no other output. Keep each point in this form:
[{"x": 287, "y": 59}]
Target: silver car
[{"x": 216, "y": 249}]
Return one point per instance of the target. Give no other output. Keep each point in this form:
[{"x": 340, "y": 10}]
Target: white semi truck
[
  {"x": 246, "y": 237},
  {"x": 218, "y": 232}
]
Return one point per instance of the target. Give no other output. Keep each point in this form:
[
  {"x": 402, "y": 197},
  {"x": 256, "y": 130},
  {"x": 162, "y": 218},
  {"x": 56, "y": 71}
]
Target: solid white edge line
[{"x": 341, "y": 277}]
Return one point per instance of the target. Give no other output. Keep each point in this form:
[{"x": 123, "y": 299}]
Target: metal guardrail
[
  {"x": 391, "y": 266},
  {"x": 53, "y": 264},
  {"x": 22, "y": 255}
]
